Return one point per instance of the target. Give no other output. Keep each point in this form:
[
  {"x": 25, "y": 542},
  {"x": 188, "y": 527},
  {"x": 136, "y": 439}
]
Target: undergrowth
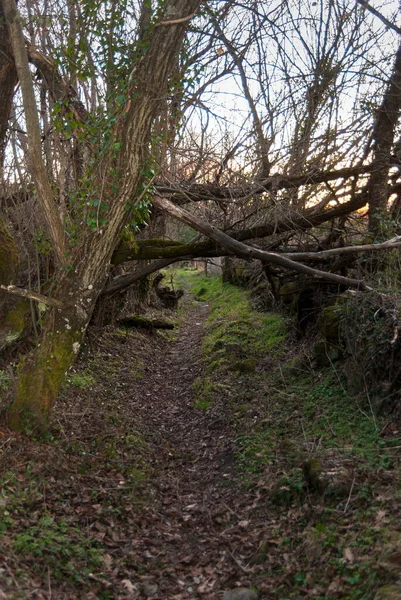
[{"x": 319, "y": 458}]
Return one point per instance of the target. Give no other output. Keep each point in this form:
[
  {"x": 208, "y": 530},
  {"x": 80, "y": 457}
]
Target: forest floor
[{"x": 183, "y": 464}]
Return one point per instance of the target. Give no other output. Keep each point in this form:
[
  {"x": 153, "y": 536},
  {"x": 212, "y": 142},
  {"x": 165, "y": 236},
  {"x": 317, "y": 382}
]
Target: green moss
[
  {"x": 14, "y": 323},
  {"x": 40, "y": 375},
  {"x": 245, "y": 366},
  {"x": 329, "y": 322},
  {"x": 289, "y": 292},
  {"x": 81, "y": 380},
  {"x": 153, "y": 249}
]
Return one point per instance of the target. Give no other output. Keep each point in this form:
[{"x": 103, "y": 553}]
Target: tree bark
[
  {"x": 8, "y": 81},
  {"x": 41, "y": 373},
  {"x": 383, "y": 135},
  {"x": 248, "y": 252}
]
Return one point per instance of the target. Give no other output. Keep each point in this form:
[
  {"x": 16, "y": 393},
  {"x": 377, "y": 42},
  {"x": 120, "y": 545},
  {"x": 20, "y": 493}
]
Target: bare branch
[
  {"x": 379, "y": 15},
  {"x": 176, "y": 21},
  {"x": 323, "y": 254},
  {"x": 248, "y": 252},
  {"x": 23, "y": 293},
  {"x": 43, "y": 189}
]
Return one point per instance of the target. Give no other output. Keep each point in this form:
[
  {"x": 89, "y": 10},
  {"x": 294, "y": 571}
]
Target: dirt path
[{"x": 195, "y": 534}]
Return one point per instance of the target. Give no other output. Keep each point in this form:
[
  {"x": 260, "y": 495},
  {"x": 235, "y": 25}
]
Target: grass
[
  {"x": 317, "y": 456},
  {"x": 81, "y": 380},
  {"x": 237, "y": 338}
]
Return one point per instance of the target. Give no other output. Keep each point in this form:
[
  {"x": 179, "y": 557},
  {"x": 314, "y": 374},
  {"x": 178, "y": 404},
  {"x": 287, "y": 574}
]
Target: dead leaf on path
[
  {"x": 108, "y": 561},
  {"x": 348, "y": 555},
  {"x": 129, "y": 586},
  {"x": 243, "y": 524},
  {"x": 380, "y": 515}
]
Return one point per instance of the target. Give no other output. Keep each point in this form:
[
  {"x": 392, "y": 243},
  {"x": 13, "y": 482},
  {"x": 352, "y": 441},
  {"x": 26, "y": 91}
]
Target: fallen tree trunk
[
  {"x": 248, "y": 252},
  {"x": 142, "y": 322}
]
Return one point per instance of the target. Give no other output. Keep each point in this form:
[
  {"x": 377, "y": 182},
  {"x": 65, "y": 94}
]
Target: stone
[
  {"x": 325, "y": 353},
  {"x": 388, "y": 592},
  {"x": 233, "y": 348},
  {"x": 289, "y": 292},
  {"x": 244, "y": 366},
  {"x": 241, "y": 594},
  {"x": 149, "y": 588},
  {"x": 329, "y": 322}
]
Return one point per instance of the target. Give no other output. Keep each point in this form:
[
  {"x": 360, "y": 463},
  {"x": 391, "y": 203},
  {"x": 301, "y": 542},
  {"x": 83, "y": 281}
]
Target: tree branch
[
  {"x": 23, "y": 293},
  {"x": 248, "y": 252},
  {"x": 176, "y": 21},
  {"x": 42, "y": 185},
  {"x": 379, "y": 15},
  {"x": 323, "y": 254},
  {"x": 278, "y": 182}
]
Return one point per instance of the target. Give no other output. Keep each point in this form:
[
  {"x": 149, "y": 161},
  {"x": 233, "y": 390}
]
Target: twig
[
  {"x": 24, "y": 293},
  {"x": 175, "y": 21},
  {"x": 379, "y": 15},
  {"x": 349, "y": 496},
  {"x": 237, "y": 562}
]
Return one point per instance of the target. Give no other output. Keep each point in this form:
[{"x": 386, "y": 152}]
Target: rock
[
  {"x": 330, "y": 322},
  {"x": 149, "y": 588},
  {"x": 234, "y": 349},
  {"x": 289, "y": 292},
  {"x": 325, "y": 354},
  {"x": 14, "y": 323},
  {"x": 241, "y": 594},
  {"x": 388, "y": 592},
  {"x": 245, "y": 366}
]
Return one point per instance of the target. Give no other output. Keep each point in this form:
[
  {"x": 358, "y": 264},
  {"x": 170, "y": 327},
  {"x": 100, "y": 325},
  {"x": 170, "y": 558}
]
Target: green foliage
[
  {"x": 82, "y": 380},
  {"x": 59, "y": 546},
  {"x": 5, "y": 380}
]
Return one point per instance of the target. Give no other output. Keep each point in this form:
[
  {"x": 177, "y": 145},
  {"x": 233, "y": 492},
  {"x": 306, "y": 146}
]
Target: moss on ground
[{"x": 327, "y": 467}]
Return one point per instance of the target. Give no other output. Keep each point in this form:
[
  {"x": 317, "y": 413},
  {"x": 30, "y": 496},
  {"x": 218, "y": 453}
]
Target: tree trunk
[
  {"x": 383, "y": 135},
  {"x": 41, "y": 373},
  {"x": 8, "y": 81}
]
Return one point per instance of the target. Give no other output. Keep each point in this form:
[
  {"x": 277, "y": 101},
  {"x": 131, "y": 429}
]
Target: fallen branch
[
  {"x": 323, "y": 254},
  {"x": 248, "y": 252},
  {"x": 23, "y": 293},
  {"x": 135, "y": 321}
]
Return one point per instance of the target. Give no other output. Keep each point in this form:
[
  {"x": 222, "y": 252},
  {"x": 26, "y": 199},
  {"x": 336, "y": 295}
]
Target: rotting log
[{"x": 134, "y": 321}]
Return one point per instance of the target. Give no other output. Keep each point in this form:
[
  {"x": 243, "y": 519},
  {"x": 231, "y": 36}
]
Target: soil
[
  {"x": 182, "y": 530},
  {"x": 138, "y": 492}
]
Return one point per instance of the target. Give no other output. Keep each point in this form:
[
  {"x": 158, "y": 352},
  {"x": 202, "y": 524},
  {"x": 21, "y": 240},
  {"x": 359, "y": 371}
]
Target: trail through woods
[
  {"x": 199, "y": 526},
  {"x": 140, "y": 491}
]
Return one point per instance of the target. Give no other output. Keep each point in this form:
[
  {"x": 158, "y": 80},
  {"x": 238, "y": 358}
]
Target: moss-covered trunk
[{"x": 41, "y": 373}]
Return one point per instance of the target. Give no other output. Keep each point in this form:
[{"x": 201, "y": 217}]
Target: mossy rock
[
  {"x": 245, "y": 366},
  {"x": 329, "y": 322},
  {"x": 312, "y": 470},
  {"x": 325, "y": 353},
  {"x": 233, "y": 349},
  {"x": 289, "y": 292},
  {"x": 388, "y": 592}
]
